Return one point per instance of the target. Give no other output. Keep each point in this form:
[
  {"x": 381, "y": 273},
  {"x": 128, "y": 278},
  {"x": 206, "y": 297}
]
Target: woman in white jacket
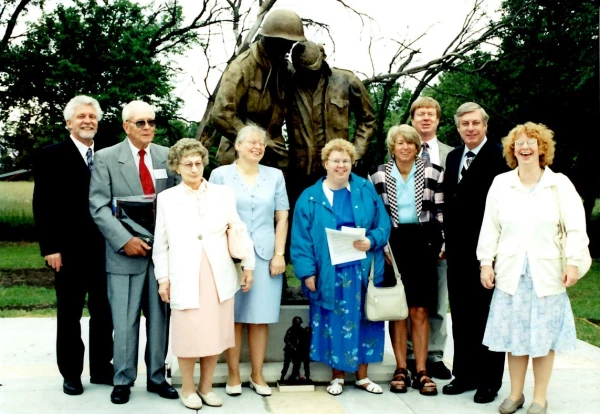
[
  {"x": 195, "y": 272},
  {"x": 530, "y": 314}
]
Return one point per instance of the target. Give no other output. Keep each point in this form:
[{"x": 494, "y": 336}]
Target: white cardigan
[
  {"x": 516, "y": 222},
  {"x": 182, "y": 215}
]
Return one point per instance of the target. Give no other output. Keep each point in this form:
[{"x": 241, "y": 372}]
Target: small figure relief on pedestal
[{"x": 296, "y": 352}]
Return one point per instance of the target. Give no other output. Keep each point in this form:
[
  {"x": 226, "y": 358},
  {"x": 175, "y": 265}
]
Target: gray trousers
[
  {"x": 438, "y": 333},
  {"x": 128, "y": 295}
]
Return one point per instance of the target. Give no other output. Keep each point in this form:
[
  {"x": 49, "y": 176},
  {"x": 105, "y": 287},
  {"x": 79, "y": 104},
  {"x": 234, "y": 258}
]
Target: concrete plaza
[{"x": 31, "y": 383}]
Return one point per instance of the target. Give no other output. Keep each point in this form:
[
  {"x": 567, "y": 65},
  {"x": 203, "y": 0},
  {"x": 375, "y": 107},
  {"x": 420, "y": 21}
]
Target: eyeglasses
[
  {"x": 255, "y": 143},
  {"x": 338, "y": 162},
  {"x": 189, "y": 165},
  {"x": 531, "y": 142},
  {"x": 140, "y": 124}
]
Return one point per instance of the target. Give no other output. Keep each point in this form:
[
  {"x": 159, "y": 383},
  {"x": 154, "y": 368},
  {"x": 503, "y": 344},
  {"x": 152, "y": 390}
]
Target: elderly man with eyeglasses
[{"x": 135, "y": 167}]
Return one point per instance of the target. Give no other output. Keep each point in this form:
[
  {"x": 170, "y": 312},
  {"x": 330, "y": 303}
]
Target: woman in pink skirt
[{"x": 195, "y": 272}]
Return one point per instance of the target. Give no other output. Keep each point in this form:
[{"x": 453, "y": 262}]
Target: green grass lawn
[
  {"x": 20, "y": 255},
  {"x": 29, "y": 301}
]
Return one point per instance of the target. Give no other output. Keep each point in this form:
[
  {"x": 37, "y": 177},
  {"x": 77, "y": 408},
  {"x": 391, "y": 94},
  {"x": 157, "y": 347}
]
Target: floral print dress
[{"x": 343, "y": 338}]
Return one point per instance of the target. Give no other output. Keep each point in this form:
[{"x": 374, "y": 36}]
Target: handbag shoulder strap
[
  {"x": 396, "y": 271},
  {"x": 561, "y": 223}
]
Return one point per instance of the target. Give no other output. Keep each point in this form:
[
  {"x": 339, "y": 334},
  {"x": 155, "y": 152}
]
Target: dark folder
[{"x": 137, "y": 214}]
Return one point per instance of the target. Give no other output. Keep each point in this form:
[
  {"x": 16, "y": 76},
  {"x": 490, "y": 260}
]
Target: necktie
[
  {"x": 425, "y": 153},
  {"x": 145, "y": 177},
  {"x": 470, "y": 155},
  {"x": 90, "y": 159}
]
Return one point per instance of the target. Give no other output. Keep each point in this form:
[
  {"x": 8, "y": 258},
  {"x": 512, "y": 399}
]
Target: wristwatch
[{"x": 279, "y": 254}]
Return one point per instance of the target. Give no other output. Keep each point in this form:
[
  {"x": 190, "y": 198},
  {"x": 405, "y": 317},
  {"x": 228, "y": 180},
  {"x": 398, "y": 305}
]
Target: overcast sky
[{"x": 439, "y": 20}]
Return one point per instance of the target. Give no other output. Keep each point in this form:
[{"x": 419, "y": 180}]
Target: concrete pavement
[{"x": 31, "y": 383}]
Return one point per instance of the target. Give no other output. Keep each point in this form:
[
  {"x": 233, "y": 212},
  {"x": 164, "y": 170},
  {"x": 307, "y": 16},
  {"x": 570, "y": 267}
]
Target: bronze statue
[
  {"x": 253, "y": 88},
  {"x": 296, "y": 351},
  {"x": 320, "y": 111}
]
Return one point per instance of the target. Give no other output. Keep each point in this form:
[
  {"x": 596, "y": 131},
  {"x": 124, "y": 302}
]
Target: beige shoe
[
  {"x": 509, "y": 406},
  {"x": 211, "y": 399},
  {"x": 262, "y": 390},
  {"x": 535, "y": 408},
  {"x": 192, "y": 401},
  {"x": 233, "y": 390}
]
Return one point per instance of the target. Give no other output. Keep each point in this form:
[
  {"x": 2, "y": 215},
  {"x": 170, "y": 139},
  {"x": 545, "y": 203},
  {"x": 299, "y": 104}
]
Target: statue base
[{"x": 296, "y": 385}]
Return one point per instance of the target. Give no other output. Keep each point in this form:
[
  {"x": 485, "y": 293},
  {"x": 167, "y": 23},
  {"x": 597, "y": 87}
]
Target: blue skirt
[
  {"x": 525, "y": 324},
  {"x": 342, "y": 338}
]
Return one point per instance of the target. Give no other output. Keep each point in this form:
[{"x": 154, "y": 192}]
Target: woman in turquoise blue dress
[
  {"x": 261, "y": 201},
  {"x": 342, "y": 337}
]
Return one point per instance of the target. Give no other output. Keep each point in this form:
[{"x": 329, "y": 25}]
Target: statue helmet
[
  {"x": 284, "y": 24},
  {"x": 297, "y": 321}
]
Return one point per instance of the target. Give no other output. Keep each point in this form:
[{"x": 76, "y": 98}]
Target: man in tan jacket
[
  {"x": 320, "y": 109},
  {"x": 253, "y": 89}
]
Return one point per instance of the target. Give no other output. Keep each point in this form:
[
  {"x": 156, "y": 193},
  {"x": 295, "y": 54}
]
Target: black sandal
[
  {"x": 424, "y": 384},
  {"x": 401, "y": 374}
]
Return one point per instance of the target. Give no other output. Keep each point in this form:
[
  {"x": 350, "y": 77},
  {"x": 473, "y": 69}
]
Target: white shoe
[
  {"x": 211, "y": 399},
  {"x": 233, "y": 390},
  {"x": 192, "y": 401},
  {"x": 262, "y": 390}
]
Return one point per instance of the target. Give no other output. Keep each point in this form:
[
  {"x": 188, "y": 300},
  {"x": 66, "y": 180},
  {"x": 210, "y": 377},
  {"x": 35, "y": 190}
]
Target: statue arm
[
  {"x": 224, "y": 114},
  {"x": 362, "y": 108}
]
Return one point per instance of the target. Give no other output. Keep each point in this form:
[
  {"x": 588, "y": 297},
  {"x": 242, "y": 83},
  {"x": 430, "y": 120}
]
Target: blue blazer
[
  {"x": 257, "y": 211},
  {"x": 309, "y": 249}
]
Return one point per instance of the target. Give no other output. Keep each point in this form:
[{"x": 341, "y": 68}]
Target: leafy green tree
[
  {"x": 116, "y": 51},
  {"x": 545, "y": 71}
]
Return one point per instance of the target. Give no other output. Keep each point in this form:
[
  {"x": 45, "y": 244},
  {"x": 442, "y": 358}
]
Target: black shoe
[
  {"x": 165, "y": 390},
  {"x": 102, "y": 380},
  {"x": 120, "y": 394},
  {"x": 438, "y": 370},
  {"x": 72, "y": 387},
  {"x": 485, "y": 395},
  {"x": 458, "y": 387}
]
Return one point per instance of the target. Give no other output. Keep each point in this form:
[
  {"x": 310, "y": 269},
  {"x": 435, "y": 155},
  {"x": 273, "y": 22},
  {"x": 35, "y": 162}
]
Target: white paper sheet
[{"x": 340, "y": 242}]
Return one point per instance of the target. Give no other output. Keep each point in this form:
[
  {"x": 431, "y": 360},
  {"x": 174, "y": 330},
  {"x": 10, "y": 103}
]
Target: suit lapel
[
  {"x": 72, "y": 153},
  {"x": 158, "y": 163},
  {"x": 129, "y": 169},
  {"x": 476, "y": 164},
  {"x": 453, "y": 164}
]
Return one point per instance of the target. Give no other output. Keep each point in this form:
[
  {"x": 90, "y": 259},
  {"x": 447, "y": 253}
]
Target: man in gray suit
[
  {"x": 425, "y": 115},
  {"x": 133, "y": 167}
]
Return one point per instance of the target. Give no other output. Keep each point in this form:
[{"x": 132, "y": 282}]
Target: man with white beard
[{"x": 73, "y": 246}]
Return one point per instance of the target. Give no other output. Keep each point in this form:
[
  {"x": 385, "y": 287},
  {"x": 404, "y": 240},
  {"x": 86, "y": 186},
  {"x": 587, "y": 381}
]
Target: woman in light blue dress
[
  {"x": 262, "y": 204},
  {"x": 530, "y": 314}
]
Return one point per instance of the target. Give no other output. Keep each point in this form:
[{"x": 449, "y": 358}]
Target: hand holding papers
[{"x": 340, "y": 242}]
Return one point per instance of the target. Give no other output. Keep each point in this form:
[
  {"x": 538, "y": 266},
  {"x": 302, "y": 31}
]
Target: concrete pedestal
[{"x": 320, "y": 373}]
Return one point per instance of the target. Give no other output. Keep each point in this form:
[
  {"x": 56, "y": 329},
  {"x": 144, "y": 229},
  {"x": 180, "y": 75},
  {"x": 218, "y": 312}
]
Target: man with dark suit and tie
[
  {"x": 470, "y": 170},
  {"x": 425, "y": 113},
  {"x": 72, "y": 246},
  {"x": 132, "y": 168}
]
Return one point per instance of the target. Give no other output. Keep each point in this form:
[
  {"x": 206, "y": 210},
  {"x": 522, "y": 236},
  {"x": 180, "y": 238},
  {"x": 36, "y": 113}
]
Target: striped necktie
[
  {"x": 425, "y": 153},
  {"x": 90, "y": 159},
  {"x": 470, "y": 156}
]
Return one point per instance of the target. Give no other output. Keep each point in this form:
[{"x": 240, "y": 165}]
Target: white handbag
[
  {"x": 561, "y": 242},
  {"x": 386, "y": 303}
]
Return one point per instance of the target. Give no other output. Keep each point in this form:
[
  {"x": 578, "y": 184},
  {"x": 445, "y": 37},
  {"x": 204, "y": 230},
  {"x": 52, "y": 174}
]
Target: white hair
[
  {"x": 250, "y": 129},
  {"x": 136, "y": 106},
  {"x": 81, "y": 100},
  {"x": 468, "y": 107}
]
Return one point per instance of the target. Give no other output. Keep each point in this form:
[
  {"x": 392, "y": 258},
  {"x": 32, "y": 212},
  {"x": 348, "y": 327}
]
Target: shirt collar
[
  {"x": 476, "y": 149},
  {"x": 135, "y": 150},
  {"x": 82, "y": 148}
]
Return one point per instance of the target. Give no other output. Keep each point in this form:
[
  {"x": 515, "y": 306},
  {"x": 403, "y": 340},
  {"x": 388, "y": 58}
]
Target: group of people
[{"x": 473, "y": 226}]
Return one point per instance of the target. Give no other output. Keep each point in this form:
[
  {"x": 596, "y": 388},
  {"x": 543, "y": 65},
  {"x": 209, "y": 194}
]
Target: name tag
[{"x": 158, "y": 174}]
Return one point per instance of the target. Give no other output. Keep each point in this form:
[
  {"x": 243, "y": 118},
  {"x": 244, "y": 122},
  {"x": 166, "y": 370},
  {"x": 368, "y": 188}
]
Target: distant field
[{"x": 16, "y": 214}]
